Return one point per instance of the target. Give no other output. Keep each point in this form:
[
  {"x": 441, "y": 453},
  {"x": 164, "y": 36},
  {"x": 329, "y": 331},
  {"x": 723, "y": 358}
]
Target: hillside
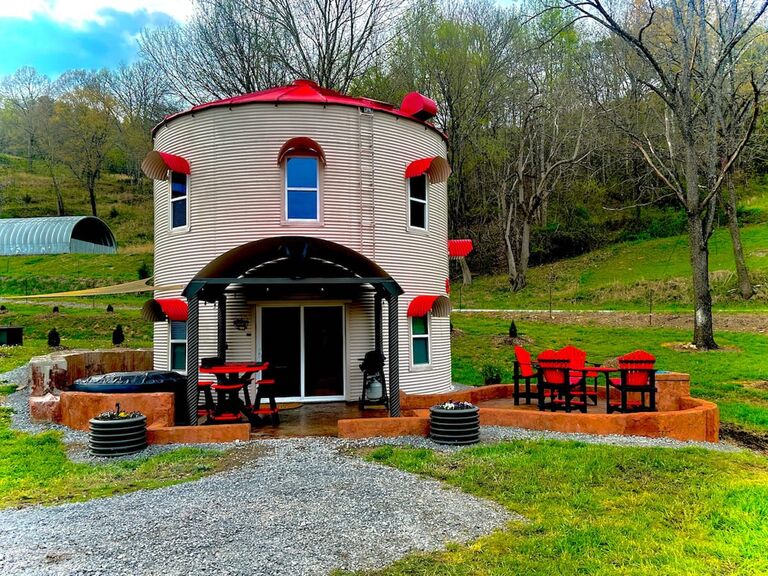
[
  {"x": 126, "y": 207},
  {"x": 621, "y": 276}
]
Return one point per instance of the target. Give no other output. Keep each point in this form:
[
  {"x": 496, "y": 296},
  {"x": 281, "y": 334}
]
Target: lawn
[
  {"x": 83, "y": 328},
  {"x": 621, "y": 276},
  {"x": 35, "y": 469},
  {"x": 595, "y": 509},
  {"x": 734, "y": 377}
]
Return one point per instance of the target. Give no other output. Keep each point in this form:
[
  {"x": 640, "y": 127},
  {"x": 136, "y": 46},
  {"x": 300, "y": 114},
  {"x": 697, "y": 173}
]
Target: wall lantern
[{"x": 241, "y": 323}]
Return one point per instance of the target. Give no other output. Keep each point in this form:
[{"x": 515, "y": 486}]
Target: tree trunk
[
  {"x": 466, "y": 273},
  {"x": 57, "y": 190},
  {"x": 745, "y": 285},
  {"x": 703, "y": 332},
  {"x": 518, "y": 257},
  {"x": 92, "y": 195}
]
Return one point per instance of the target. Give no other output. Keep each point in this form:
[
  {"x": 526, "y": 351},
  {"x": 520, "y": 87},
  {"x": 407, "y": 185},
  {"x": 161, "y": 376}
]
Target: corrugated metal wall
[{"x": 235, "y": 197}]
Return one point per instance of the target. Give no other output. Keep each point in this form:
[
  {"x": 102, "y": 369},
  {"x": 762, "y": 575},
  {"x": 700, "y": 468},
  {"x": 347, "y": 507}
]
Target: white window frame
[
  {"x": 420, "y": 201},
  {"x": 427, "y": 337},
  {"x": 171, "y": 342},
  {"x": 316, "y": 190},
  {"x": 171, "y": 200}
]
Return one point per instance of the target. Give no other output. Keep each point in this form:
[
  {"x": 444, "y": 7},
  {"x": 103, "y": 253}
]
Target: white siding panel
[{"x": 235, "y": 197}]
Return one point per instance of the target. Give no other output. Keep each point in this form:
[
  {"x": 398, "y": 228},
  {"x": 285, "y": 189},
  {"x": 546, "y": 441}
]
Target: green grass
[
  {"x": 619, "y": 278},
  {"x": 35, "y": 469},
  {"x": 83, "y": 328},
  {"x": 601, "y": 510},
  {"x": 726, "y": 376}
]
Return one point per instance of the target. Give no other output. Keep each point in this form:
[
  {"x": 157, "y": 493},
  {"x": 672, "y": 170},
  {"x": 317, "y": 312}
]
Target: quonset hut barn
[{"x": 306, "y": 228}]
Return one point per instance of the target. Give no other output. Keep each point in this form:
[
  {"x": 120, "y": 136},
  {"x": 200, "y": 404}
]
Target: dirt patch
[
  {"x": 757, "y": 384},
  {"x": 518, "y": 341},
  {"x": 688, "y": 347},
  {"x": 237, "y": 457},
  {"x": 745, "y": 438},
  {"x": 733, "y": 322}
]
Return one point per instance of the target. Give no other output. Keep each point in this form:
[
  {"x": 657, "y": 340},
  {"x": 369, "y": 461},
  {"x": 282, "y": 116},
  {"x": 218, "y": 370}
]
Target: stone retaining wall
[
  {"x": 679, "y": 415},
  {"x": 53, "y": 373},
  {"x": 50, "y": 375}
]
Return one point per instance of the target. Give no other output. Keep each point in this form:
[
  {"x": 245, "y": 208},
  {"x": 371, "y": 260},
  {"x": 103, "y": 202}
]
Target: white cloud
[{"x": 77, "y": 13}]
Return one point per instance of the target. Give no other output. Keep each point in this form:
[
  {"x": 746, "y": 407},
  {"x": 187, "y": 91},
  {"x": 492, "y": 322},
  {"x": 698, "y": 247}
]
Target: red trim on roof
[
  {"x": 459, "y": 248},
  {"x": 309, "y": 92},
  {"x": 161, "y": 309},
  {"x": 440, "y": 306},
  {"x": 175, "y": 163},
  {"x": 436, "y": 167},
  {"x": 301, "y": 145}
]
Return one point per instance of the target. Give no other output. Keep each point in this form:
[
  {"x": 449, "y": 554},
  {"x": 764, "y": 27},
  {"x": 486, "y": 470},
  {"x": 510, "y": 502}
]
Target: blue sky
[{"x": 58, "y": 35}]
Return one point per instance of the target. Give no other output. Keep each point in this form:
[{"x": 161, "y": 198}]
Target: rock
[{"x": 45, "y": 408}]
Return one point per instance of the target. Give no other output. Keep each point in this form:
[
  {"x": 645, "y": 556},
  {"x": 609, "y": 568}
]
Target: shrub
[
  {"x": 54, "y": 340},
  {"x": 113, "y": 213},
  {"x": 491, "y": 374},
  {"x": 117, "y": 335},
  {"x": 144, "y": 271},
  {"x": 512, "y": 329}
]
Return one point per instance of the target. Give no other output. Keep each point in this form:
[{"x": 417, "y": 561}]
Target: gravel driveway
[{"x": 304, "y": 508}]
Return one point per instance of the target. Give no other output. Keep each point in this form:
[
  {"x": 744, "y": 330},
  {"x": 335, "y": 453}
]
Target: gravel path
[{"x": 304, "y": 508}]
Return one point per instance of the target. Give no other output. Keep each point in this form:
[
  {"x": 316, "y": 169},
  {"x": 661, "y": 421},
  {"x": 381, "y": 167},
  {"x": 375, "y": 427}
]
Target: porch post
[
  {"x": 394, "y": 357},
  {"x": 377, "y": 324},
  {"x": 221, "y": 337},
  {"x": 192, "y": 358}
]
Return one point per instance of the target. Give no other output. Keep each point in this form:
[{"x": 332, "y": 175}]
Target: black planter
[
  {"x": 457, "y": 426},
  {"x": 117, "y": 437}
]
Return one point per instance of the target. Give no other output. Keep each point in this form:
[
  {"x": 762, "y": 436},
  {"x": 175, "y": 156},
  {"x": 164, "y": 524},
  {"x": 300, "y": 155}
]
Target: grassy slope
[
  {"x": 25, "y": 194},
  {"x": 87, "y": 328},
  {"x": 602, "y": 510},
  {"x": 730, "y": 377},
  {"x": 620, "y": 276}
]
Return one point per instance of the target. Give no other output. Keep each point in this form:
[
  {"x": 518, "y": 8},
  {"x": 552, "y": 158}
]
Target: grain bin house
[{"x": 306, "y": 228}]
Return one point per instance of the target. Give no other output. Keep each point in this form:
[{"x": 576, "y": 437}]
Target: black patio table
[{"x": 231, "y": 377}]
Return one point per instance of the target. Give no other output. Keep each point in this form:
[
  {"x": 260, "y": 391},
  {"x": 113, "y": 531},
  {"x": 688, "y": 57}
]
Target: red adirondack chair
[
  {"x": 637, "y": 378},
  {"x": 525, "y": 371},
  {"x": 577, "y": 362},
  {"x": 555, "y": 389}
]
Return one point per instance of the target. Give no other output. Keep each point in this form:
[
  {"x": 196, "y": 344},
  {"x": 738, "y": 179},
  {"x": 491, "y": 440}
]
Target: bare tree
[
  {"x": 224, "y": 50},
  {"x": 538, "y": 147},
  {"x": 681, "y": 50},
  {"x": 84, "y": 127},
  {"x": 141, "y": 97},
  {"x": 22, "y": 90},
  {"x": 332, "y": 42}
]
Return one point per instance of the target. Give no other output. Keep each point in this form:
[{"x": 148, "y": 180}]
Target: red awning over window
[
  {"x": 301, "y": 146},
  {"x": 436, "y": 168},
  {"x": 162, "y": 309},
  {"x": 156, "y": 165},
  {"x": 439, "y": 306},
  {"x": 459, "y": 248}
]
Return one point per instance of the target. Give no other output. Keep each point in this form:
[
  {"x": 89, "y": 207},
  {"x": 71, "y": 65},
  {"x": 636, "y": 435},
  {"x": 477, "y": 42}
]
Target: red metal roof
[
  {"x": 161, "y": 309},
  {"x": 459, "y": 248},
  {"x": 306, "y": 91},
  {"x": 422, "y": 305},
  {"x": 436, "y": 167}
]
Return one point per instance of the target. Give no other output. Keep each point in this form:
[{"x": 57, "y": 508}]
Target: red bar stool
[
  {"x": 265, "y": 388},
  {"x": 228, "y": 405},
  {"x": 207, "y": 407}
]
